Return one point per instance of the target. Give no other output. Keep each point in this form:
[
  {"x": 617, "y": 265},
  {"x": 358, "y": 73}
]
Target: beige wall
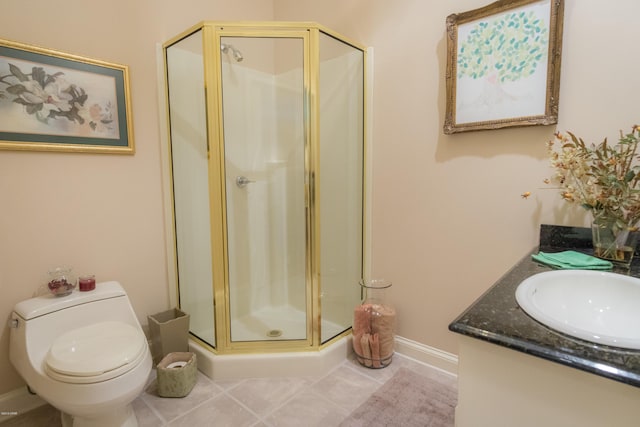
[{"x": 447, "y": 216}]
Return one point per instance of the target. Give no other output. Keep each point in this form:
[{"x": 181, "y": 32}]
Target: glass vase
[
  {"x": 374, "y": 325},
  {"x": 612, "y": 242}
]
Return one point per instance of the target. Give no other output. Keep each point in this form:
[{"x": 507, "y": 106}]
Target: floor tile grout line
[
  {"x": 226, "y": 392},
  {"x": 204, "y": 402},
  {"x": 321, "y": 396},
  {"x": 152, "y": 408},
  {"x": 167, "y": 422},
  {"x": 371, "y": 377},
  {"x": 247, "y": 408},
  {"x": 307, "y": 387}
]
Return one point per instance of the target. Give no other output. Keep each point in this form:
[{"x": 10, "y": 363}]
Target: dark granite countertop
[{"x": 496, "y": 317}]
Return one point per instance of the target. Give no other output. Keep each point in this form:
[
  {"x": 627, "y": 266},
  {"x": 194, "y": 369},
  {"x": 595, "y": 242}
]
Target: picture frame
[
  {"x": 503, "y": 65},
  {"x": 55, "y": 101}
]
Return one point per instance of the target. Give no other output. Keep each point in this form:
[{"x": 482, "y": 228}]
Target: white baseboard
[
  {"x": 17, "y": 402},
  {"x": 431, "y": 356}
]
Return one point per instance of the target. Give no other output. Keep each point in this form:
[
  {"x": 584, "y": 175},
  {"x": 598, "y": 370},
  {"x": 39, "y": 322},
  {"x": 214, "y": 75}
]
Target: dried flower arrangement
[{"x": 603, "y": 178}]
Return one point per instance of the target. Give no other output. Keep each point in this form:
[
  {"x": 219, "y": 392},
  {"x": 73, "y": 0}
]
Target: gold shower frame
[{"x": 309, "y": 32}]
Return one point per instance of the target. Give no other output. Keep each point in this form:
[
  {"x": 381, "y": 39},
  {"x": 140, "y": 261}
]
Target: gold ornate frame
[
  {"x": 55, "y": 101},
  {"x": 505, "y": 43}
]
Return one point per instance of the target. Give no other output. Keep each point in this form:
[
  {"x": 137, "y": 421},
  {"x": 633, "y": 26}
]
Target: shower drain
[{"x": 273, "y": 333}]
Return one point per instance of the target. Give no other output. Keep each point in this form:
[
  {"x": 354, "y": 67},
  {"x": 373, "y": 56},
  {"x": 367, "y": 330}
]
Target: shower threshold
[{"x": 265, "y": 365}]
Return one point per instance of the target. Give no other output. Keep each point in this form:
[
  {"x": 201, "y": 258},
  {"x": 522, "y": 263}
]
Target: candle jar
[
  {"x": 61, "y": 281},
  {"x": 374, "y": 325},
  {"x": 87, "y": 282}
]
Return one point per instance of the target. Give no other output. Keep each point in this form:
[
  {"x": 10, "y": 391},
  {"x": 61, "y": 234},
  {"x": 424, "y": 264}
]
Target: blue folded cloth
[{"x": 572, "y": 260}]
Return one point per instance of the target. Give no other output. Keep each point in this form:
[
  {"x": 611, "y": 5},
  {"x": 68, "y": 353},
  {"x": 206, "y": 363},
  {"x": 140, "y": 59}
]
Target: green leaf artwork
[{"x": 505, "y": 49}]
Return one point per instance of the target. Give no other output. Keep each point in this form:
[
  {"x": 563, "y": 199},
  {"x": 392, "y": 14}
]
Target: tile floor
[{"x": 259, "y": 402}]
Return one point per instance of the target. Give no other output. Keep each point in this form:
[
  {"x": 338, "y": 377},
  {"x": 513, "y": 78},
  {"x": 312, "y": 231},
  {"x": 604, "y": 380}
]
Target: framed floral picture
[
  {"x": 53, "y": 101},
  {"x": 503, "y": 65}
]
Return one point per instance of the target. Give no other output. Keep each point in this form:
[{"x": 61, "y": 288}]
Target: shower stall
[{"x": 266, "y": 130}]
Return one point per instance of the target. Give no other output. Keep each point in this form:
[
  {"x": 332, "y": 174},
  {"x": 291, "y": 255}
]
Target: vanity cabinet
[
  {"x": 514, "y": 371},
  {"x": 500, "y": 387}
]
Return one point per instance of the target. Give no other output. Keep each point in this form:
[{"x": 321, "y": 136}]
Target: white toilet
[{"x": 84, "y": 353}]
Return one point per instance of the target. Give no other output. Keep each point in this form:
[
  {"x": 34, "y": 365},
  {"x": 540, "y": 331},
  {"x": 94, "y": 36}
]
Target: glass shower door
[
  {"x": 263, "y": 99},
  {"x": 189, "y": 156},
  {"x": 341, "y": 195}
]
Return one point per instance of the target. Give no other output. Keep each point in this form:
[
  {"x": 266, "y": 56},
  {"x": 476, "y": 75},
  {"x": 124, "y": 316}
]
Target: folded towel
[{"x": 572, "y": 260}]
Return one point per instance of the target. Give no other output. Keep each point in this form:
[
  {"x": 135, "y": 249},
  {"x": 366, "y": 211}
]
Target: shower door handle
[{"x": 242, "y": 181}]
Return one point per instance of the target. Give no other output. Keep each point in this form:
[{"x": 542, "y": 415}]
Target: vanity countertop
[{"x": 496, "y": 317}]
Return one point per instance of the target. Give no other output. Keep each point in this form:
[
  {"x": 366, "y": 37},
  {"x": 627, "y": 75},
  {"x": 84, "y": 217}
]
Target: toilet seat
[{"x": 95, "y": 353}]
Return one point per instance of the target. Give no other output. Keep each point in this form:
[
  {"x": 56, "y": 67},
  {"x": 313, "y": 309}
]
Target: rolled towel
[
  {"x": 361, "y": 326},
  {"x": 366, "y": 350},
  {"x": 357, "y": 347},
  {"x": 362, "y": 320},
  {"x": 374, "y": 343},
  {"x": 384, "y": 324}
]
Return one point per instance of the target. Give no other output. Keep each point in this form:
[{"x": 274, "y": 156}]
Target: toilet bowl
[{"x": 84, "y": 353}]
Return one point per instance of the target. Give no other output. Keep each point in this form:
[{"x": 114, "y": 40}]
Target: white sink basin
[{"x": 595, "y": 306}]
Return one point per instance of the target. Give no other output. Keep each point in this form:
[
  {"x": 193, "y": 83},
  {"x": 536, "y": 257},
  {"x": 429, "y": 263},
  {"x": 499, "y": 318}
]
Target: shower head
[
  {"x": 237, "y": 55},
  {"x": 228, "y": 48}
]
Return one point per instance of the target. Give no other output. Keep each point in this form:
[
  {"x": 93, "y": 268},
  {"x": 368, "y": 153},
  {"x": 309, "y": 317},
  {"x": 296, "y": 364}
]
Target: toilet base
[{"x": 125, "y": 417}]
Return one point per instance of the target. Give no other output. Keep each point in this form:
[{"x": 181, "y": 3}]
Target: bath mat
[{"x": 408, "y": 399}]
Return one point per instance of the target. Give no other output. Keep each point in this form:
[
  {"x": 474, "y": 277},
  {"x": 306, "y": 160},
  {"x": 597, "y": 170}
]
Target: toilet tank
[
  {"x": 39, "y": 321},
  {"x": 48, "y": 304}
]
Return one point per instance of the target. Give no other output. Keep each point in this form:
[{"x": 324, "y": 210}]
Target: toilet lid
[{"x": 96, "y": 349}]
